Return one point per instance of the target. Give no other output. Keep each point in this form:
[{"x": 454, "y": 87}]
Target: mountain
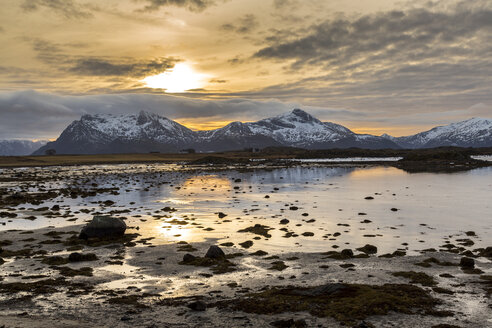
[
  {"x": 133, "y": 133},
  {"x": 146, "y": 132},
  {"x": 19, "y": 147},
  {"x": 295, "y": 129},
  {"x": 475, "y": 132}
]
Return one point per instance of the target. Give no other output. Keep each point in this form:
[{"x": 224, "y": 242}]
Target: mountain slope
[
  {"x": 475, "y": 132},
  {"x": 19, "y": 147}
]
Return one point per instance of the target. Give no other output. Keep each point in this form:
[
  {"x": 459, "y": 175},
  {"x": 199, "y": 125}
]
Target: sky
[{"x": 375, "y": 66}]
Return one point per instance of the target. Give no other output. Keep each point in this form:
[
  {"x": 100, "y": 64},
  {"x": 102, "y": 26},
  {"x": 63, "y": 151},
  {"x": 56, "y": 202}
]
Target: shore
[{"x": 274, "y": 272}]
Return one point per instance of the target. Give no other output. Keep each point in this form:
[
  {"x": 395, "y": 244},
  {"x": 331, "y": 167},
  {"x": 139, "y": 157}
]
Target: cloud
[
  {"x": 383, "y": 33},
  {"x": 192, "y": 5},
  {"x": 34, "y": 115},
  {"x": 244, "y": 24},
  {"x": 54, "y": 55},
  {"x": 129, "y": 67},
  {"x": 66, "y": 8}
]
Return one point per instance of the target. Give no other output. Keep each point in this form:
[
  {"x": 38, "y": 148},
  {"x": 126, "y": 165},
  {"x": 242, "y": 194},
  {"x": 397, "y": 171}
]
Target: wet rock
[
  {"x": 103, "y": 227},
  {"x": 197, "y": 306},
  {"x": 467, "y": 263},
  {"x": 284, "y": 221},
  {"x": 258, "y": 229},
  {"x": 368, "y": 249},
  {"x": 214, "y": 252},
  {"x": 188, "y": 258},
  {"x": 79, "y": 257},
  {"x": 347, "y": 253},
  {"x": 487, "y": 252},
  {"x": 246, "y": 244},
  {"x": 290, "y": 323}
]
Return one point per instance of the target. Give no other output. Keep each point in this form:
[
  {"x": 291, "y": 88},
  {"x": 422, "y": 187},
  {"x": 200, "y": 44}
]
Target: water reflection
[{"x": 328, "y": 200}]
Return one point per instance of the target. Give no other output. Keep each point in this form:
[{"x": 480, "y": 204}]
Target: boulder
[
  {"x": 188, "y": 258},
  {"x": 467, "y": 263},
  {"x": 103, "y": 227},
  {"x": 368, "y": 249},
  {"x": 198, "y": 306},
  {"x": 214, "y": 252}
]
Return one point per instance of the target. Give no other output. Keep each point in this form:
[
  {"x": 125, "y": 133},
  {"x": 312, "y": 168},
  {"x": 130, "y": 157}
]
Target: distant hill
[{"x": 19, "y": 147}]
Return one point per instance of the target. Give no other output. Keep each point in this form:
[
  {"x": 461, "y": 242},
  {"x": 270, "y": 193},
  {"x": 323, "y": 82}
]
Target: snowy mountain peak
[
  {"x": 298, "y": 115},
  {"x": 474, "y": 132}
]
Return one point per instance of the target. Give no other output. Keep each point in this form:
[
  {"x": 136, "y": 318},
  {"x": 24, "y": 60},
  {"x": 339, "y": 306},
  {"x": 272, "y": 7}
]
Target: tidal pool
[{"x": 326, "y": 205}]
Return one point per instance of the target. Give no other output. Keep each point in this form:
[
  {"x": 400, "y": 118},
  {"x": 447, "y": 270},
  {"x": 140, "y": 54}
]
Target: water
[{"x": 431, "y": 207}]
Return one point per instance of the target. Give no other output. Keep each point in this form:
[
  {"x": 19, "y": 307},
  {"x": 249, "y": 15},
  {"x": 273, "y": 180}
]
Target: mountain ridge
[{"x": 149, "y": 132}]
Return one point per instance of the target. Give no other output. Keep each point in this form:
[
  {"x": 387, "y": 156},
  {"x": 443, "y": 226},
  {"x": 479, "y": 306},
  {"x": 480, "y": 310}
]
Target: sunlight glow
[{"x": 178, "y": 79}]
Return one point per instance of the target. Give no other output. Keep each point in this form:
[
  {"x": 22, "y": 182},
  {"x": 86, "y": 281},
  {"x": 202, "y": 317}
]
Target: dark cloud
[
  {"x": 285, "y": 4},
  {"x": 415, "y": 60},
  {"x": 386, "y": 32},
  {"x": 243, "y": 25},
  {"x": 130, "y": 68},
  {"x": 66, "y": 8},
  {"x": 217, "y": 81},
  {"x": 192, "y": 5},
  {"x": 54, "y": 55}
]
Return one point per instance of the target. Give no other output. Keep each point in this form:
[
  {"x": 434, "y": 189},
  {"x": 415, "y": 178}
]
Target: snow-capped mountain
[
  {"x": 19, "y": 147},
  {"x": 293, "y": 129},
  {"x": 145, "y": 132},
  {"x": 475, "y": 132}
]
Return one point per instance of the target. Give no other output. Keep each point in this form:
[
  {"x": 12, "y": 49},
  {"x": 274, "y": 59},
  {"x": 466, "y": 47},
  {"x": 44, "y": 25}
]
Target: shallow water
[{"x": 430, "y": 206}]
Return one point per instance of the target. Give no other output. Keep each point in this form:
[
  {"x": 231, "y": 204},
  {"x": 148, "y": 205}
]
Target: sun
[{"x": 178, "y": 79}]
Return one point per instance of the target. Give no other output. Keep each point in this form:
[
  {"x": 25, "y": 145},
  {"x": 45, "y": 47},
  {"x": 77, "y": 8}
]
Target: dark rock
[
  {"x": 188, "y": 258},
  {"x": 368, "y": 249},
  {"x": 467, "y": 262},
  {"x": 79, "y": 257},
  {"x": 284, "y": 221},
  {"x": 347, "y": 253},
  {"x": 197, "y": 306},
  {"x": 103, "y": 227},
  {"x": 215, "y": 252},
  {"x": 290, "y": 323}
]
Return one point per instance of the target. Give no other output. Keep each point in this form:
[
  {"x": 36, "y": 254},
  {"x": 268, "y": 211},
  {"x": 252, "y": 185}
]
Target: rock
[
  {"x": 487, "y": 252},
  {"x": 368, "y": 249},
  {"x": 221, "y": 215},
  {"x": 290, "y": 323},
  {"x": 284, "y": 221},
  {"x": 103, "y": 227},
  {"x": 79, "y": 257},
  {"x": 467, "y": 262},
  {"x": 215, "y": 252},
  {"x": 246, "y": 244},
  {"x": 347, "y": 253},
  {"x": 188, "y": 258},
  {"x": 394, "y": 209},
  {"x": 197, "y": 306}
]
